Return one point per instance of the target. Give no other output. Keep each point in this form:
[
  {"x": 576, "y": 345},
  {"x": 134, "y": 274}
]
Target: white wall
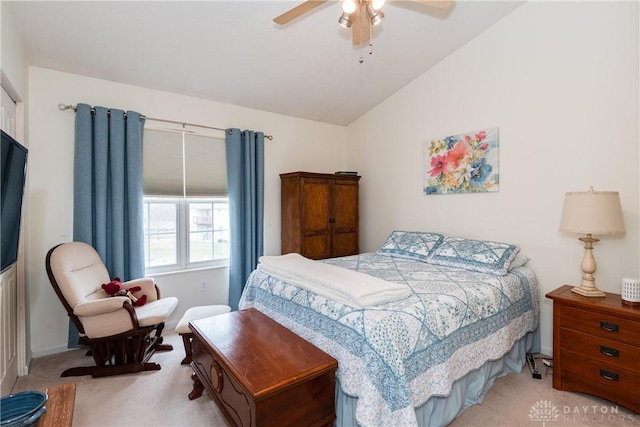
[
  {"x": 13, "y": 59},
  {"x": 297, "y": 145},
  {"x": 560, "y": 81}
]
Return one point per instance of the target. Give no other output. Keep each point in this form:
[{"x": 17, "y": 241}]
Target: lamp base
[
  {"x": 588, "y": 291},
  {"x": 588, "y": 286}
]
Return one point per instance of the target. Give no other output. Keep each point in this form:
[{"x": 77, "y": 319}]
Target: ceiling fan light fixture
[
  {"x": 348, "y": 6},
  {"x": 345, "y": 20},
  {"x": 375, "y": 16},
  {"x": 377, "y": 4}
]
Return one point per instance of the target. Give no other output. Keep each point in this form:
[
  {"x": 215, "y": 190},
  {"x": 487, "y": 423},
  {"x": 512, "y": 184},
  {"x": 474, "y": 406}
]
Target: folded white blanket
[{"x": 339, "y": 284}]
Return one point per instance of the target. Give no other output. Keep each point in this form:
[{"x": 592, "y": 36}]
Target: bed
[{"x": 421, "y": 328}]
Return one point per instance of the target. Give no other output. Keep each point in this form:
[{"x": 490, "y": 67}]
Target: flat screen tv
[{"x": 13, "y": 168}]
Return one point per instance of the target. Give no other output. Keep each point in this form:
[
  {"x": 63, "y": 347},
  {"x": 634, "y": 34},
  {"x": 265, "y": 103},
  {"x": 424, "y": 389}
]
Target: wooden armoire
[{"x": 319, "y": 214}]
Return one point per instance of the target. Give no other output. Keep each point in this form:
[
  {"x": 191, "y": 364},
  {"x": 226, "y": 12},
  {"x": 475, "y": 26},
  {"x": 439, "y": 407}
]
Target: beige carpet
[
  {"x": 152, "y": 398},
  {"x": 159, "y": 398}
]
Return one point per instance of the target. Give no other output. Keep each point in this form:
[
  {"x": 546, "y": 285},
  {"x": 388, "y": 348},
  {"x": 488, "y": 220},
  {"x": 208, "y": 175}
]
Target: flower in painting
[
  {"x": 462, "y": 163},
  {"x": 451, "y": 179},
  {"x": 450, "y": 141},
  {"x": 430, "y": 189},
  {"x": 463, "y": 172},
  {"x": 457, "y": 154},
  {"x": 480, "y": 171},
  {"x": 438, "y": 165},
  {"x": 437, "y": 147}
]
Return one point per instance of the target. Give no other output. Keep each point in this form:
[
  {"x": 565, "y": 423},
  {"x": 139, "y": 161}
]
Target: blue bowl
[{"x": 22, "y": 409}]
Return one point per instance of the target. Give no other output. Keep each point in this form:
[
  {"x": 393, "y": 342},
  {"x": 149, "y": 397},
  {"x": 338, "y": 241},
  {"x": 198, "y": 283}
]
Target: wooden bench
[
  {"x": 60, "y": 406},
  {"x": 261, "y": 374}
]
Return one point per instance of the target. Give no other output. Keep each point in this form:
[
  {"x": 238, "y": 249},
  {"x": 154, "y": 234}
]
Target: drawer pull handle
[
  {"x": 609, "y": 327},
  {"x": 608, "y": 351},
  {"x": 610, "y": 375},
  {"x": 216, "y": 376}
]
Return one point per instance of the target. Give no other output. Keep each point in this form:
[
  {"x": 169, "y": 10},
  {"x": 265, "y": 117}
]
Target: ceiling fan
[{"x": 359, "y": 15}]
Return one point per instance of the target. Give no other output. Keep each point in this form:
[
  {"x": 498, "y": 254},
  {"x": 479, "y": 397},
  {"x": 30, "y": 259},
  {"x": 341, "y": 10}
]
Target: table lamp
[{"x": 591, "y": 213}]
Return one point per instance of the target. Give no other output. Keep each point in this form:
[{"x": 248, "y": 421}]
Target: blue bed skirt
[{"x": 467, "y": 391}]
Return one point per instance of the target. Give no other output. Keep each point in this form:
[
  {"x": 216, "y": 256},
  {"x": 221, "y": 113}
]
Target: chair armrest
[
  {"x": 100, "y": 306},
  {"x": 148, "y": 286}
]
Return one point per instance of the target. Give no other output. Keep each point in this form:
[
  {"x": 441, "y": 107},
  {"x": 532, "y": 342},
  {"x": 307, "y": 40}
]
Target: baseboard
[
  {"x": 171, "y": 326},
  {"x": 51, "y": 350},
  {"x": 547, "y": 351}
]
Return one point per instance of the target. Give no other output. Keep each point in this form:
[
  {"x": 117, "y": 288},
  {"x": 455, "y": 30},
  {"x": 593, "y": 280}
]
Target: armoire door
[
  {"x": 315, "y": 222},
  {"x": 344, "y": 218}
]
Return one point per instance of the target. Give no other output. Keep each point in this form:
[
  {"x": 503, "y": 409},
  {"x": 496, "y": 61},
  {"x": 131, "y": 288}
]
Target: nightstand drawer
[
  {"x": 601, "y": 325},
  {"x": 601, "y": 350},
  {"x": 617, "y": 385}
]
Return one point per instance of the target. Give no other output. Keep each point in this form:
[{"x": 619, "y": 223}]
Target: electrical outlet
[{"x": 204, "y": 286}]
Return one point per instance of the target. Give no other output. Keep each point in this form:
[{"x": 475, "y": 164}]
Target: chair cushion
[
  {"x": 78, "y": 270},
  {"x": 156, "y": 311},
  {"x": 201, "y": 312},
  {"x": 107, "y": 324}
]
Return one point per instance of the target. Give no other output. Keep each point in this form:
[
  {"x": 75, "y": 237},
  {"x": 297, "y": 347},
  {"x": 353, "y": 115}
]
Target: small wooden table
[
  {"x": 259, "y": 373},
  {"x": 59, "y": 406}
]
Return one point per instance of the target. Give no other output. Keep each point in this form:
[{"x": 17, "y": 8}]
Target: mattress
[{"x": 395, "y": 356}]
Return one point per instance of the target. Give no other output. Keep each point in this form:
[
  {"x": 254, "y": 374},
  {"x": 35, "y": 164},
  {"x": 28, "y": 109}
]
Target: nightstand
[{"x": 596, "y": 346}]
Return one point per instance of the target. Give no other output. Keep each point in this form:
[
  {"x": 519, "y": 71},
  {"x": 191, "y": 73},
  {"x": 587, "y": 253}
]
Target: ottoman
[{"x": 196, "y": 313}]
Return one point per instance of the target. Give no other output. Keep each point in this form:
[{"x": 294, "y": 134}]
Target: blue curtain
[
  {"x": 107, "y": 189},
  {"x": 245, "y": 170}
]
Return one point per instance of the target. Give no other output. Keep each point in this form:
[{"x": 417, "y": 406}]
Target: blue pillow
[
  {"x": 413, "y": 245},
  {"x": 475, "y": 255}
]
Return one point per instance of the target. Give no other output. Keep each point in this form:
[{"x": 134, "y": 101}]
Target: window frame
[{"x": 183, "y": 232}]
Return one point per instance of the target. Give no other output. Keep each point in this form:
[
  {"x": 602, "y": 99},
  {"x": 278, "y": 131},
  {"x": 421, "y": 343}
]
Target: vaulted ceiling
[{"x": 232, "y": 51}]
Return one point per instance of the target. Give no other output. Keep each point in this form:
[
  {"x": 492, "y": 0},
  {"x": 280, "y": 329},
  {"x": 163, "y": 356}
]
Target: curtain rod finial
[{"x": 63, "y": 107}]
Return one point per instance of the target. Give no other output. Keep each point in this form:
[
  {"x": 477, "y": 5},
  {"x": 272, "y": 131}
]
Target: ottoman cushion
[{"x": 197, "y": 313}]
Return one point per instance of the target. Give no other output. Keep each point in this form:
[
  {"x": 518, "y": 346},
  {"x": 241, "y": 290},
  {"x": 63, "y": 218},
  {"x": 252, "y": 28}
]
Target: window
[{"x": 186, "y": 210}]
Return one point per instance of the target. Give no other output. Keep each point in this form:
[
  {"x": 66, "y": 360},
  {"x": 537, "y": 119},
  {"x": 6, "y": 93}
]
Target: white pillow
[{"x": 520, "y": 260}]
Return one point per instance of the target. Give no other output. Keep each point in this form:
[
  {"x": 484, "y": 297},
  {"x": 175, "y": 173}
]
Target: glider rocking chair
[{"x": 120, "y": 337}]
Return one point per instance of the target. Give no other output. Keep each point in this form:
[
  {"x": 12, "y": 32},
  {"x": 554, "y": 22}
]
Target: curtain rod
[{"x": 63, "y": 107}]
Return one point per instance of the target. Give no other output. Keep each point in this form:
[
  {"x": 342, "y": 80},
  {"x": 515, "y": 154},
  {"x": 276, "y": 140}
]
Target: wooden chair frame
[{"x": 123, "y": 353}]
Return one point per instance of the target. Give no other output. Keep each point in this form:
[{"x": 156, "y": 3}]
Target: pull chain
[{"x": 361, "y": 59}]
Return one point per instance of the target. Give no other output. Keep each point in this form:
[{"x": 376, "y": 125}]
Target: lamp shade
[{"x": 592, "y": 212}]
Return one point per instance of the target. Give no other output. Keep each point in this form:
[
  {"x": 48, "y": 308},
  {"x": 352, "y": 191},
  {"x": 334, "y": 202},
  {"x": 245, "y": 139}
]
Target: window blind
[{"x": 205, "y": 165}]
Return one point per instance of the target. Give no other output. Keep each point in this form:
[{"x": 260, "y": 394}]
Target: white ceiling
[{"x": 232, "y": 52}]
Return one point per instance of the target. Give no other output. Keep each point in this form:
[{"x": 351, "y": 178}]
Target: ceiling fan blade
[
  {"x": 300, "y": 9},
  {"x": 360, "y": 29},
  {"x": 440, "y": 4}
]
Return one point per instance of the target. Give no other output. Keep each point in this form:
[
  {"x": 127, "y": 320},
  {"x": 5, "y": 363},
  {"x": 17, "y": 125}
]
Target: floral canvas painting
[{"x": 465, "y": 163}]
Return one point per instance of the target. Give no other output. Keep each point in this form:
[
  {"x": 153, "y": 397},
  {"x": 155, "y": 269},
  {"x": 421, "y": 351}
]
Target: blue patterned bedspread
[{"x": 394, "y": 357}]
